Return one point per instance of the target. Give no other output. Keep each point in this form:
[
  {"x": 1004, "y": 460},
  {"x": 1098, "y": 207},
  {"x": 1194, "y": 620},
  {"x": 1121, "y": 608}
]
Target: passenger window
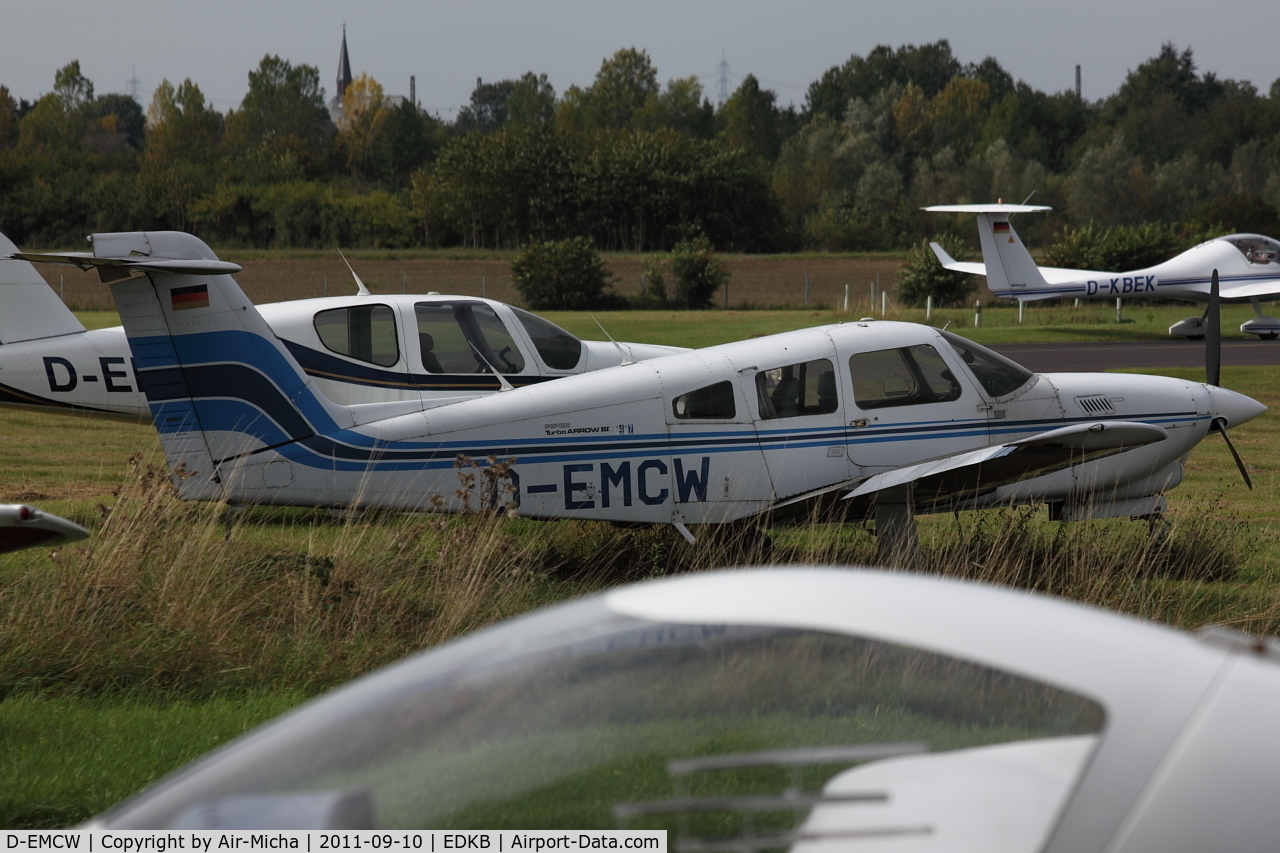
[
  {"x": 714, "y": 401},
  {"x": 556, "y": 347},
  {"x": 797, "y": 390},
  {"x": 465, "y": 337},
  {"x": 906, "y": 376},
  {"x": 364, "y": 332}
]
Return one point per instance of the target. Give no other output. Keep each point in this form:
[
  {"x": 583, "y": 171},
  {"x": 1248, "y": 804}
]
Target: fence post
[
  {"x": 846, "y": 299},
  {"x": 1118, "y": 306},
  {"x": 884, "y": 304},
  {"x": 928, "y": 308},
  {"x": 726, "y": 295},
  {"x": 977, "y": 314},
  {"x": 1021, "y": 305},
  {"x": 326, "y": 284}
]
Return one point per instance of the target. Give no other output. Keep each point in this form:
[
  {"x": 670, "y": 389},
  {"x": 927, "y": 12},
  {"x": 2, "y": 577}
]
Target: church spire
[{"x": 344, "y": 66}]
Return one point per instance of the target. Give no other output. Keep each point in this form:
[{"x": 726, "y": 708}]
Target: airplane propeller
[{"x": 1213, "y": 367}]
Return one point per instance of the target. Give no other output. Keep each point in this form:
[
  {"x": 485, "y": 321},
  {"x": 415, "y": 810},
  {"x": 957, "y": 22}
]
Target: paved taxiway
[{"x": 1092, "y": 357}]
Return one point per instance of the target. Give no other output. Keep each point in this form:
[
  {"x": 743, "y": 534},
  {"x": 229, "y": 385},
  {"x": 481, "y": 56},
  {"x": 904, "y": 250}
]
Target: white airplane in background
[
  {"x": 363, "y": 348},
  {"x": 876, "y": 418},
  {"x": 1248, "y": 266}
]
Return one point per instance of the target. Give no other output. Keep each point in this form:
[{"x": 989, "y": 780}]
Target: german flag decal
[
  {"x": 196, "y": 296},
  {"x": 1000, "y": 227}
]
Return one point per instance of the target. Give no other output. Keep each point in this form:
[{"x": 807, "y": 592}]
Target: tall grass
[{"x": 192, "y": 599}]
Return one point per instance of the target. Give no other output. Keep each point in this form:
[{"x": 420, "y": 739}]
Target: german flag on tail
[{"x": 196, "y": 296}]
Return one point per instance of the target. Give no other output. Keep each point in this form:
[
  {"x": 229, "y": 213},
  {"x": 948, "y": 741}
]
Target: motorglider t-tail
[{"x": 1010, "y": 270}]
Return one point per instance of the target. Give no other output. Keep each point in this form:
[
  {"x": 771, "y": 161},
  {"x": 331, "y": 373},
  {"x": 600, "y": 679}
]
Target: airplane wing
[
  {"x": 960, "y": 476},
  {"x": 954, "y": 478},
  {"x": 1269, "y": 289}
]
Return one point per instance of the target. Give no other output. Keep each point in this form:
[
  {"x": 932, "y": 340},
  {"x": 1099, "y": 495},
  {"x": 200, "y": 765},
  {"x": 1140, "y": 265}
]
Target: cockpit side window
[
  {"x": 905, "y": 376},
  {"x": 363, "y": 332},
  {"x": 712, "y": 402},
  {"x": 502, "y": 348},
  {"x": 797, "y": 390},
  {"x": 997, "y": 375},
  {"x": 465, "y": 337},
  {"x": 558, "y": 349}
]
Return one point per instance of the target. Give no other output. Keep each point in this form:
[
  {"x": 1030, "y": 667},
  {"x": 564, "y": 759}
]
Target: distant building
[{"x": 337, "y": 112}]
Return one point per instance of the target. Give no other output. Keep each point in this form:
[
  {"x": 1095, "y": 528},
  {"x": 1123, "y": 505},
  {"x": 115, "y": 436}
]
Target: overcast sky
[{"x": 447, "y": 45}]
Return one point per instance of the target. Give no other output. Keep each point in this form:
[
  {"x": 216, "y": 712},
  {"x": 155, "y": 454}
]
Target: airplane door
[
  {"x": 716, "y": 467},
  {"x": 909, "y": 404},
  {"x": 800, "y": 416}
]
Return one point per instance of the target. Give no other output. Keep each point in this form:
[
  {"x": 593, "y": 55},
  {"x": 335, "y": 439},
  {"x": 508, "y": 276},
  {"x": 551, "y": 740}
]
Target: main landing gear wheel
[{"x": 1158, "y": 528}]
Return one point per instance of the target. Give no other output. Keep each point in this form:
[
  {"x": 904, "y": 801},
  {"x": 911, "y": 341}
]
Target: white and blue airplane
[
  {"x": 361, "y": 348},
  {"x": 1248, "y": 267},
  {"x": 867, "y": 418}
]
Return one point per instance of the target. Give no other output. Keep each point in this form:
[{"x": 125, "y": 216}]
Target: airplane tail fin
[
  {"x": 29, "y": 309},
  {"x": 1011, "y": 272},
  {"x": 220, "y": 385}
]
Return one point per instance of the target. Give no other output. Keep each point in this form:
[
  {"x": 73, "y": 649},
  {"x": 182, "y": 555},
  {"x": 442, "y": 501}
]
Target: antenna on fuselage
[
  {"x": 626, "y": 357},
  {"x": 361, "y": 290}
]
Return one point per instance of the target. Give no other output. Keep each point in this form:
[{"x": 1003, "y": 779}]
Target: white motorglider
[
  {"x": 23, "y": 526},
  {"x": 361, "y": 348},
  {"x": 815, "y": 710},
  {"x": 870, "y": 418},
  {"x": 1248, "y": 266}
]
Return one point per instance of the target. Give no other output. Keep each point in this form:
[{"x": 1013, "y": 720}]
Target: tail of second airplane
[
  {"x": 1010, "y": 270},
  {"x": 29, "y": 309},
  {"x": 219, "y": 383}
]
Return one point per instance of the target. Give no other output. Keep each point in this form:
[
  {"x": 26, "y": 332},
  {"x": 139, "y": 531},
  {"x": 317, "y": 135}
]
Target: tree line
[{"x": 629, "y": 163}]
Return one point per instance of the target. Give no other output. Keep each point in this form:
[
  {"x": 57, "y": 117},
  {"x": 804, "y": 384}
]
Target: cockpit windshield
[
  {"x": 581, "y": 718},
  {"x": 556, "y": 347},
  {"x": 1257, "y": 250},
  {"x": 998, "y": 375}
]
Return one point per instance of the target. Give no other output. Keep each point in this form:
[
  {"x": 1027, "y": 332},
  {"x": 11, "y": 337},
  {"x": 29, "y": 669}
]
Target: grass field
[{"x": 175, "y": 627}]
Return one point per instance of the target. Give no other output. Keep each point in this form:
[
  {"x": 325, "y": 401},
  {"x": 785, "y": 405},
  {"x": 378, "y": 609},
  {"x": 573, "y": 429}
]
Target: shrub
[
  {"x": 923, "y": 276},
  {"x": 653, "y": 286},
  {"x": 565, "y": 275},
  {"x": 698, "y": 273}
]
